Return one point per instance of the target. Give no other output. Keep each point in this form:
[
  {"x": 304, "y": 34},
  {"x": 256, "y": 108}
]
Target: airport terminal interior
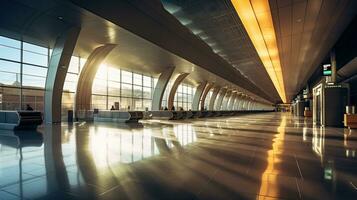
[{"x": 178, "y": 99}]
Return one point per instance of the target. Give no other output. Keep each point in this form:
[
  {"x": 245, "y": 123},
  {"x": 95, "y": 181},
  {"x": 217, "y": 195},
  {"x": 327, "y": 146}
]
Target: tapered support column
[
  {"x": 232, "y": 101},
  {"x": 174, "y": 87},
  {"x": 57, "y": 71},
  {"x": 240, "y": 102},
  {"x": 252, "y": 105},
  {"x": 86, "y": 78},
  {"x": 249, "y": 105},
  {"x": 204, "y": 95},
  {"x": 226, "y": 100},
  {"x": 220, "y": 99},
  {"x": 246, "y": 102},
  {"x": 236, "y": 102},
  {"x": 196, "y": 99},
  {"x": 213, "y": 97},
  {"x": 160, "y": 88}
]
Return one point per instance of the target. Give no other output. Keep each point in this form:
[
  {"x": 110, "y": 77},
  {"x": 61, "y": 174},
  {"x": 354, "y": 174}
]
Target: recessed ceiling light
[
  {"x": 257, "y": 21},
  {"x": 60, "y": 17}
]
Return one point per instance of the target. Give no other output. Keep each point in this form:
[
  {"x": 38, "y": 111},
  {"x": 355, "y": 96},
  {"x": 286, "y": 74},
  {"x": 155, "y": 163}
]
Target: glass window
[
  {"x": 99, "y": 86},
  {"x": 68, "y": 99},
  {"x": 138, "y": 92},
  {"x": 10, "y": 53},
  {"x": 70, "y": 83},
  {"x": 35, "y": 48},
  {"x": 114, "y": 74},
  {"x": 126, "y": 90},
  {"x": 9, "y": 73},
  {"x": 10, "y": 42},
  {"x": 33, "y": 81},
  {"x": 33, "y": 70},
  {"x": 74, "y": 65},
  {"x": 138, "y": 79},
  {"x": 147, "y": 92},
  {"x": 35, "y": 58},
  {"x": 113, "y": 88},
  {"x": 147, "y": 81},
  {"x": 34, "y": 76},
  {"x": 6, "y": 66},
  {"x": 147, "y": 104},
  {"x": 82, "y": 62},
  {"x": 99, "y": 102},
  {"x": 125, "y": 103},
  {"x": 10, "y": 98},
  {"x": 112, "y": 101},
  {"x": 35, "y": 98},
  {"x": 138, "y": 104},
  {"x": 126, "y": 77},
  {"x": 7, "y": 78}
]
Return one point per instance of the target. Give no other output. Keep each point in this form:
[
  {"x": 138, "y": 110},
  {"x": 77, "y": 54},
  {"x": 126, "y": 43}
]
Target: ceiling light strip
[{"x": 257, "y": 20}]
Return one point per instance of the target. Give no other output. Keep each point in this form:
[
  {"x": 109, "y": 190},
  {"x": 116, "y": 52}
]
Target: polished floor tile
[{"x": 255, "y": 156}]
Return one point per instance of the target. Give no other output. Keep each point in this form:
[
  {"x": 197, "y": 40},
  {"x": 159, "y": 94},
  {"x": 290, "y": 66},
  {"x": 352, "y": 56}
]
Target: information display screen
[{"x": 326, "y": 71}]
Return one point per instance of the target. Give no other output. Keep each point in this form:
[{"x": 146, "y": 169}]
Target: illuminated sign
[{"x": 327, "y": 70}]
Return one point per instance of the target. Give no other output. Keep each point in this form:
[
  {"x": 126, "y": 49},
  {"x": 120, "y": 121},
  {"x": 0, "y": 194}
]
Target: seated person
[
  {"x": 112, "y": 108},
  {"x": 28, "y": 107}
]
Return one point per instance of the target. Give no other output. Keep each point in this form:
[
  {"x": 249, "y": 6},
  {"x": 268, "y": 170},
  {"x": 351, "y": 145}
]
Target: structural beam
[
  {"x": 57, "y": 71},
  {"x": 240, "y": 102},
  {"x": 203, "y": 99},
  {"x": 232, "y": 101},
  {"x": 198, "y": 94},
  {"x": 226, "y": 99},
  {"x": 213, "y": 98},
  {"x": 236, "y": 102},
  {"x": 174, "y": 87},
  {"x": 87, "y": 75},
  {"x": 220, "y": 99},
  {"x": 160, "y": 88}
]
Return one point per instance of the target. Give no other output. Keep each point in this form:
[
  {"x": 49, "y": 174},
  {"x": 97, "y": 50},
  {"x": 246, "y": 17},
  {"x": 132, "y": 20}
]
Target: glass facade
[
  {"x": 183, "y": 96},
  {"x": 122, "y": 89},
  {"x": 23, "y": 70},
  {"x": 70, "y": 84},
  {"x": 208, "y": 99}
]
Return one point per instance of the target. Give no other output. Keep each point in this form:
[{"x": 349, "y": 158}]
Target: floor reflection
[{"x": 244, "y": 157}]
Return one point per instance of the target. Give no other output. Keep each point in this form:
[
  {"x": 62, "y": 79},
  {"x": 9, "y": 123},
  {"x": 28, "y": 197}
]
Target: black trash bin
[{"x": 70, "y": 116}]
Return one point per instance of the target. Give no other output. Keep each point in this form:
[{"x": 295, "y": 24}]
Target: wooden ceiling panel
[
  {"x": 284, "y": 3},
  {"x": 306, "y": 31},
  {"x": 298, "y": 18},
  {"x": 285, "y": 16}
]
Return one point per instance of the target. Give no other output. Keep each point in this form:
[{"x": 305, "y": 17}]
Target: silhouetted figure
[
  {"x": 112, "y": 108},
  {"x": 128, "y": 107},
  {"x": 28, "y": 107},
  {"x": 173, "y": 108},
  {"x": 166, "y": 108},
  {"x": 181, "y": 109}
]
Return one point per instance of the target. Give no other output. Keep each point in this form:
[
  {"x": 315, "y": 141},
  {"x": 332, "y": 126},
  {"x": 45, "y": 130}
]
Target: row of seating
[
  {"x": 29, "y": 120},
  {"x": 176, "y": 115},
  {"x": 20, "y": 120},
  {"x": 135, "y": 116},
  {"x": 118, "y": 116}
]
